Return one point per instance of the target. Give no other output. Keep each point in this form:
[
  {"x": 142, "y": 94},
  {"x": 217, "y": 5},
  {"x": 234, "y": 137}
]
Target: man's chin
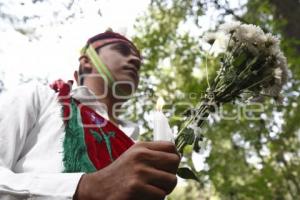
[{"x": 124, "y": 89}]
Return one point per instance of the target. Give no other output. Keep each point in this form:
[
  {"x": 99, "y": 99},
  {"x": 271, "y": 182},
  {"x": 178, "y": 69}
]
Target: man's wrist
[{"x": 79, "y": 190}]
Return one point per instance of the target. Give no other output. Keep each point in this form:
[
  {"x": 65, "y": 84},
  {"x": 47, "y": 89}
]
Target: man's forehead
[
  {"x": 122, "y": 46},
  {"x": 107, "y": 38}
]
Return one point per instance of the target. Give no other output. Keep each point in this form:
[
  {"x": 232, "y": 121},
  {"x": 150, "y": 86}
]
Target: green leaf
[
  {"x": 189, "y": 136},
  {"x": 187, "y": 173},
  {"x": 196, "y": 143},
  {"x": 238, "y": 61},
  {"x": 96, "y": 136}
]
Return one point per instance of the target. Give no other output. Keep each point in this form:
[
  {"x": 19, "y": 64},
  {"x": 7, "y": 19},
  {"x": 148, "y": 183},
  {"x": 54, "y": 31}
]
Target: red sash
[{"x": 104, "y": 141}]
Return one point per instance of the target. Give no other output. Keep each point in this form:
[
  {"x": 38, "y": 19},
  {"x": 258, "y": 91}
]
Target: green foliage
[
  {"x": 186, "y": 173},
  {"x": 248, "y": 159}
]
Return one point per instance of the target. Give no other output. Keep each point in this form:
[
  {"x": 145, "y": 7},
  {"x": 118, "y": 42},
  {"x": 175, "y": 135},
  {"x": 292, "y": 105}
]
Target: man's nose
[{"x": 135, "y": 61}]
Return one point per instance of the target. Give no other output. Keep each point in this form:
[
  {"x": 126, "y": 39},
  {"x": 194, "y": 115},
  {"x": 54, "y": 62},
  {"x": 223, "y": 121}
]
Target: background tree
[{"x": 246, "y": 159}]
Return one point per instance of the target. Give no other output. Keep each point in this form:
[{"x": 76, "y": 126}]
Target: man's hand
[{"x": 145, "y": 171}]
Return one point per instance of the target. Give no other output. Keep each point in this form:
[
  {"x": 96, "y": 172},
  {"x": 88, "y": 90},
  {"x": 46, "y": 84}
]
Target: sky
[{"x": 54, "y": 53}]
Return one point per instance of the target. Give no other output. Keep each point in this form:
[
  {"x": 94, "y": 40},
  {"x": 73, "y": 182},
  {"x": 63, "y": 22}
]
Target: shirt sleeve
[{"x": 19, "y": 111}]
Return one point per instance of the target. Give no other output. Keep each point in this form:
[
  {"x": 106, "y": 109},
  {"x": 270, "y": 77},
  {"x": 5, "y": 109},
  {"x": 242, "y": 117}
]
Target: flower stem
[
  {"x": 206, "y": 69},
  {"x": 180, "y": 140},
  {"x": 259, "y": 82}
]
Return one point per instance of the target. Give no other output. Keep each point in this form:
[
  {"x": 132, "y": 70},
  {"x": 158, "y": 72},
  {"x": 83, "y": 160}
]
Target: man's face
[{"x": 123, "y": 64}]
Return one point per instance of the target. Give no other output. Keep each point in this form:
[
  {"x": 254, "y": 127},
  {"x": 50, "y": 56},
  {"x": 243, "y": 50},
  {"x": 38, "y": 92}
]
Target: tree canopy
[{"x": 244, "y": 159}]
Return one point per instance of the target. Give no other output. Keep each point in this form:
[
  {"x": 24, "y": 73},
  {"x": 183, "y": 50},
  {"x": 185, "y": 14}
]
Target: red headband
[{"x": 109, "y": 37}]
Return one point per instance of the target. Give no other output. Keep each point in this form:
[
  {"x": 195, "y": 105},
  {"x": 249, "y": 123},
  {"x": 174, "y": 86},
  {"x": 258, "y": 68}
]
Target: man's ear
[
  {"x": 85, "y": 67},
  {"x": 76, "y": 76},
  {"x": 86, "y": 63}
]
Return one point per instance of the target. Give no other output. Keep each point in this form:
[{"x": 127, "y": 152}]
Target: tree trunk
[{"x": 289, "y": 10}]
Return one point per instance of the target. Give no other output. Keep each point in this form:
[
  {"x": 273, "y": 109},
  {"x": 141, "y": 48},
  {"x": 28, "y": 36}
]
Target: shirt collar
[{"x": 88, "y": 98}]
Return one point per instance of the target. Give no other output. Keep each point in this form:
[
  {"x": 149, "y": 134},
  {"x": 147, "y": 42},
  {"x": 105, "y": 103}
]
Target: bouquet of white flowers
[{"x": 252, "y": 67}]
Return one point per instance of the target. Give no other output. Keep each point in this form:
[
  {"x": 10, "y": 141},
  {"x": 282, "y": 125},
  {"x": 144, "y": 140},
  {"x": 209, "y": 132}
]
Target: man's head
[{"x": 112, "y": 57}]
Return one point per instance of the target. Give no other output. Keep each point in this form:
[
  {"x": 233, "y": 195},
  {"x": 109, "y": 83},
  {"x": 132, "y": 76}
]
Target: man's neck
[
  {"x": 110, "y": 103},
  {"x": 106, "y": 97}
]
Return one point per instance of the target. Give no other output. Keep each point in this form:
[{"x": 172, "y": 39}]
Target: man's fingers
[
  {"x": 159, "y": 146},
  {"x": 168, "y": 162},
  {"x": 160, "y": 155},
  {"x": 163, "y": 180},
  {"x": 151, "y": 192}
]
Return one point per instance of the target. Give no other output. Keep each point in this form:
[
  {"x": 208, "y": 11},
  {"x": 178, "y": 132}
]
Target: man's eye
[{"x": 122, "y": 49}]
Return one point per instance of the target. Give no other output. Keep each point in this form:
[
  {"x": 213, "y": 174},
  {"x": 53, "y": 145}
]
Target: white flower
[
  {"x": 220, "y": 45},
  {"x": 210, "y": 37},
  {"x": 230, "y": 27},
  {"x": 281, "y": 63},
  {"x": 278, "y": 74},
  {"x": 264, "y": 46},
  {"x": 271, "y": 40},
  {"x": 273, "y": 90},
  {"x": 251, "y": 35}
]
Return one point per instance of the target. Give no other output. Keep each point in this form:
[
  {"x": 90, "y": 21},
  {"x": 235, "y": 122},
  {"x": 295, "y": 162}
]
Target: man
[{"x": 43, "y": 133}]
